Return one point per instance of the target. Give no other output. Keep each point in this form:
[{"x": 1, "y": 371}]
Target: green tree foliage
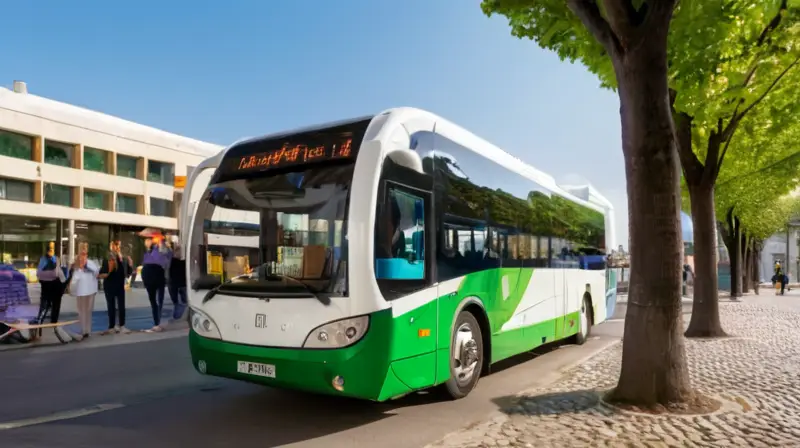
[
  {"x": 744, "y": 63},
  {"x": 735, "y": 76},
  {"x": 762, "y": 169},
  {"x": 769, "y": 219},
  {"x": 728, "y": 59}
]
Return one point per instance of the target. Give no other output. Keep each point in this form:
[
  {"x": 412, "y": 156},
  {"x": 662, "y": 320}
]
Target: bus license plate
[{"x": 258, "y": 369}]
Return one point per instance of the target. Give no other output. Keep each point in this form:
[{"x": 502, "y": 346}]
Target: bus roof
[{"x": 411, "y": 120}]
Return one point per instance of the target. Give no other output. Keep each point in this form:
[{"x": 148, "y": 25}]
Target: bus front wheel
[{"x": 466, "y": 356}]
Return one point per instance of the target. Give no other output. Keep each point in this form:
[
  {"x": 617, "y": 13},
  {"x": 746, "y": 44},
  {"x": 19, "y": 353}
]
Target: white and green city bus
[{"x": 383, "y": 255}]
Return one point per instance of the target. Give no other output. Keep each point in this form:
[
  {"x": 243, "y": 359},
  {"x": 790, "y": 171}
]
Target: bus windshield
[{"x": 278, "y": 233}]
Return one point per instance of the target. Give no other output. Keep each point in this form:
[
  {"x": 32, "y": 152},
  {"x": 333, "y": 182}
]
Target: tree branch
[
  {"x": 621, "y": 17},
  {"x": 712, "y": 153},
  {"x": 788, "y": 158},
  {"x": 727, "y": 134},
  {"x": 692, "y": 168},
  {"x": 589, "y": 14},
  {"x": 766, "y": 92},
  {"x": 771, "y": 26},
  {"x": 772, "y": 23}
]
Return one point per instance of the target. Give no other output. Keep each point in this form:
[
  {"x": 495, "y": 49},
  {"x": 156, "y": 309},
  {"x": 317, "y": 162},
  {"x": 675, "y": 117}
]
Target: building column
[{"x": 71, "y": 241}]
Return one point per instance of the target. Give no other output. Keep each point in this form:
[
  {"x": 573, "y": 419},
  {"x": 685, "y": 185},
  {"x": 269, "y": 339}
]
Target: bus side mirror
[{"x": 407, "y": 158}]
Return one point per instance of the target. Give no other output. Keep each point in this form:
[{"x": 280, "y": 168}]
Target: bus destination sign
[{"x": 295, "y": 154}]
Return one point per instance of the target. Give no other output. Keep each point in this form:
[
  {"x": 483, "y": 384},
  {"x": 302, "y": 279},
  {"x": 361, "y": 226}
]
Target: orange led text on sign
[
  {"x": 290, "y": 154},
  {"x": 344, "y": 149}
]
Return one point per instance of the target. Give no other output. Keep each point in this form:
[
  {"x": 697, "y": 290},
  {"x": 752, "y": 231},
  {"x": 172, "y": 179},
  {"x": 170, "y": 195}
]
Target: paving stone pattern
[{"x": 755, "y": 373}]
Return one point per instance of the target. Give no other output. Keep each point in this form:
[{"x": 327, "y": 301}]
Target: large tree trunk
[
  {"x": 746, "y": 263},
  {"x": 705, "y": 320},
  {"x": 654, "y": 366},
  {"x": 730, "y": 236},
  {"x": 735, "y": 254}
]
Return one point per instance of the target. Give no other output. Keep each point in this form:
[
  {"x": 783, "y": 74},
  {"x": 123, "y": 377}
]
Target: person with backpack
[
  {"x": 779, "y": 279},
  {"x": 52, "y": 280}
]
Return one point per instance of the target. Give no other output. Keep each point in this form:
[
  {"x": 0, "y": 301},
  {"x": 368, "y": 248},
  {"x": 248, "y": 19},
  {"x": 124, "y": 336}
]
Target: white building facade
[
  {"x": 80, "y": 178},
  {"x": 774, "y": 249}
]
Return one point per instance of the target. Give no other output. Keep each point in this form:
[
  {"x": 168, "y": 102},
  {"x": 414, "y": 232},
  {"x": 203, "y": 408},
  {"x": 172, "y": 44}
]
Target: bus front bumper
[{"x": 360, "y": 370}]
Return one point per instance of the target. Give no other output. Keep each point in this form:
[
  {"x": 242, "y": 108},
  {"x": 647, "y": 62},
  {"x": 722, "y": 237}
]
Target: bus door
[{"x": 404, "y": 235}]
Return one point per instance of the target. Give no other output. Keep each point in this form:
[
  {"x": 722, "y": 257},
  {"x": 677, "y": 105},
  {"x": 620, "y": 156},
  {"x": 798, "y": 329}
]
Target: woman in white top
[{"x": 84, "y": 286}]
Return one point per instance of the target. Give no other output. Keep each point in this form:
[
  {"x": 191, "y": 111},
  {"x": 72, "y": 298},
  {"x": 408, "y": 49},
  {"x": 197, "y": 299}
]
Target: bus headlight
[
  {"x": 203, "y": 325},
  {"x": 338, "y": 334}
]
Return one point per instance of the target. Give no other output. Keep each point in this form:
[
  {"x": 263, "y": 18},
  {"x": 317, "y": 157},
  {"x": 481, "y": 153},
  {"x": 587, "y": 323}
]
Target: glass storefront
[
  {"x": 132, "y": 244},
  {"x": 24, "y": 240},
  {"x": 93, "y": 238}
]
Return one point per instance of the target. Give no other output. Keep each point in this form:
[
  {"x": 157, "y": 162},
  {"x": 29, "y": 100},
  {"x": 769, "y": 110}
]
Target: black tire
[
  {"x": 459, "y": 387},
  {"x": 584, "y": 322}
]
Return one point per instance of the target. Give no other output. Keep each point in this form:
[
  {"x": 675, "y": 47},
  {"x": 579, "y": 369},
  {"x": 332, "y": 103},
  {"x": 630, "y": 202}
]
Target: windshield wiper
[
  {"x": 213, "y": 291},
  {"x": 313, "y": 291},
  {"x": 308, "y": 291}
]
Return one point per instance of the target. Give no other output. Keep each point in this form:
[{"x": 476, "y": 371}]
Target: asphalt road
[{"x": 148, "y": 394}]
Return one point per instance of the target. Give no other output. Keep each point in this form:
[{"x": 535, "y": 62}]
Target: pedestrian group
[{"x": 162, "y": 269}]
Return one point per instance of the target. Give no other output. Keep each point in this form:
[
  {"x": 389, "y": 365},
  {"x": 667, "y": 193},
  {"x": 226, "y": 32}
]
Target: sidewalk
[
  {"x": 754, "y": 373},
  {"x": 138, "y": 314}
]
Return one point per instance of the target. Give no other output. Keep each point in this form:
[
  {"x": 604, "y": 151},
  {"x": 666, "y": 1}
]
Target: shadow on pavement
[{"x": 555, "y": 403}]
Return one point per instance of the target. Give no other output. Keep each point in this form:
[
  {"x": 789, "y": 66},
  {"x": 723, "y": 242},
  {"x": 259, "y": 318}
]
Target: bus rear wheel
[{"x": 466, "y": 356}]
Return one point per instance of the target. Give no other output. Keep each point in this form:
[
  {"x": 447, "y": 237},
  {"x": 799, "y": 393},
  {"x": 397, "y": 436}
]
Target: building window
[
  {"x": 23, "y": 241},
  {"x": 126, "y": 166},
  {"x": 126, "y": 203},
  {"x": 16, "y": 190},
  {"x": 57, "y": 194},
  {"x": 161, "y": 207},
  {"x": 95, "y": 200},
  {"x": 57, "y": 153},
  {"x": 95, "y": 160},
  {"x": 160, "y": 172},
  {"x": 16, "y": 145}
]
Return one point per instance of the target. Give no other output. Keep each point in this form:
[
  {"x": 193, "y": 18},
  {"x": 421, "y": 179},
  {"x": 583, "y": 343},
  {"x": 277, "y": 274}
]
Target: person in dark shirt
[
  {"x": 115, "y": 270},
  {"x": 177, "y": 284},
  {"x": 52, "y": 286}
]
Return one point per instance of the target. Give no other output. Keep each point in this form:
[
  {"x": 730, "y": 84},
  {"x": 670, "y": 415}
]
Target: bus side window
[{"x": 400, "y": 249}]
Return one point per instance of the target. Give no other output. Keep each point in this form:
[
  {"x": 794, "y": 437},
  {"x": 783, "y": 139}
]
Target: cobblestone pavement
[{"x": 755, "y": 374}]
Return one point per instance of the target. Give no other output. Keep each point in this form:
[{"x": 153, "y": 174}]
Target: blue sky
[{"x": 218, "y": 71}]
